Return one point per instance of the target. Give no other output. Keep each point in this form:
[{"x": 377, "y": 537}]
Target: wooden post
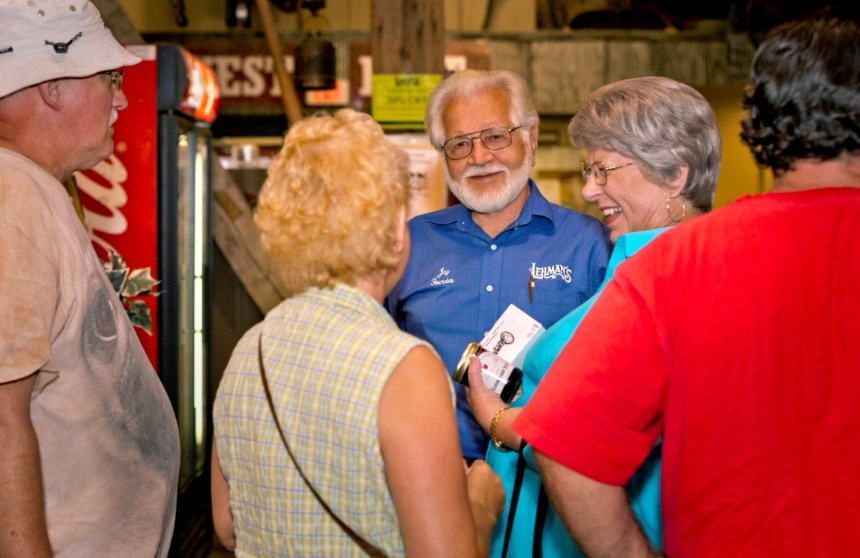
[
  {"x": 292, "y": 105},
  {"x": 408, "y": 37},
  {"x": 118, "y": 22}
]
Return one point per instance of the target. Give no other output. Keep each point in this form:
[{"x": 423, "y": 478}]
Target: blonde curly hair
[{"x": 328, "y": 210}]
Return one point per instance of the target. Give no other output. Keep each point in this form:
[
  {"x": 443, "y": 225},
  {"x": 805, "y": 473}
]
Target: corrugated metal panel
[
  {"x": 627, "y": 59},
  {"x": 564, "y": 73},
  {"x": 740, "y": 55},
  {"x": 564, "y": 70},
  {"x": 692, "y": 62},
  {"x": 510, "y": 55}
]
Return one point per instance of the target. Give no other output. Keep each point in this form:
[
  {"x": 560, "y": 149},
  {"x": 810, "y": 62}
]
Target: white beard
[{"x": 515, "y": 181}]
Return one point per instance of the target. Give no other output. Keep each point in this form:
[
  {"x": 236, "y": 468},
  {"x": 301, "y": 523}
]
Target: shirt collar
[
  {"x": 630, "y": 243},
  {"x": 536, "y": 206}
]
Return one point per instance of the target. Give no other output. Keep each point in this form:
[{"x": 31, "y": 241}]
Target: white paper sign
[{"x": 512, "y": 335}]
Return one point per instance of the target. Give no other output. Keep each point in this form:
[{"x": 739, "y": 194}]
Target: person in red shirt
[{"x": 735, "y": 338}]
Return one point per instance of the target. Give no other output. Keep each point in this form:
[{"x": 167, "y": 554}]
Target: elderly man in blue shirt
[{"x": 504, "y": 243}]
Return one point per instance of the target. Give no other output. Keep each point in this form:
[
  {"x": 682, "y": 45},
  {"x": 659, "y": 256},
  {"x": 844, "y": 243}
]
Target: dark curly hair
[{"x": 804, "y": 101}]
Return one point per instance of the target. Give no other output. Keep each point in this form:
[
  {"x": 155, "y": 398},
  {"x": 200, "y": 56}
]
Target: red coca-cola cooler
[{"x": 147, "y": 211}]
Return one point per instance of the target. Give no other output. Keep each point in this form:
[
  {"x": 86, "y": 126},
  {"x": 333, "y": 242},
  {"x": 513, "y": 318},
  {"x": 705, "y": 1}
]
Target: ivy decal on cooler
[{"x": 131, "y": 283}]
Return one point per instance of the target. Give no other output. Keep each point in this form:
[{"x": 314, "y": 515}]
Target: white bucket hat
[{"x": 42, "y": 40}]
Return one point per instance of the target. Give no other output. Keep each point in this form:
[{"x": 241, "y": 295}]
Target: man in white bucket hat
[{"x": 88, "y": 440}]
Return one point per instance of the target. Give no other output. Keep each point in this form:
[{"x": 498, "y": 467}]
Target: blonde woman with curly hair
[{"x": 322, "y": 416}]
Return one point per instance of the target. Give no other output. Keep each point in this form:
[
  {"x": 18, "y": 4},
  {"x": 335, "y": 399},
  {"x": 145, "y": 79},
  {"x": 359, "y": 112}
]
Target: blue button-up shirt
[{"x": 459, "y": 280}]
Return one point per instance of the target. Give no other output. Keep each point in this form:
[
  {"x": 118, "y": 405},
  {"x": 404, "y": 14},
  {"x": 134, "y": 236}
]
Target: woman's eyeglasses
[{"x": 599, "y": 171}]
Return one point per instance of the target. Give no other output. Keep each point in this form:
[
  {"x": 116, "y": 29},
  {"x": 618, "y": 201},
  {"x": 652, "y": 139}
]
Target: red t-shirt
[{"x": 736, "y": 336}]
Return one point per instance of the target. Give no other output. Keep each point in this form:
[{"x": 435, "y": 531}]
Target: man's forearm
[
  {"x": 597, "y": 515},
  {"x": 23, "y": 532}
]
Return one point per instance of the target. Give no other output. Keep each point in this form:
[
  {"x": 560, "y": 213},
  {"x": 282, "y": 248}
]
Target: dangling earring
[{"x": 669, "y": 211}]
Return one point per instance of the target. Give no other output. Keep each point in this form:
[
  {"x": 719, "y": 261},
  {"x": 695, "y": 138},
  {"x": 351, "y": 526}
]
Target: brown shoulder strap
[{"x": 368, "y": 549}]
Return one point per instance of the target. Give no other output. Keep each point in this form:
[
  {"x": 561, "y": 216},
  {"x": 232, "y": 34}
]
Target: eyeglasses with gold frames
[
  {"x": 115, "y": 78},
  {"x": 599, "y": 171},
  {"x": 460, "y": 147}
]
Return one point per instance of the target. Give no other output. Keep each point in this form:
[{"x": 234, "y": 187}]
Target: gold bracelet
[{"x": 493, "y": 422}]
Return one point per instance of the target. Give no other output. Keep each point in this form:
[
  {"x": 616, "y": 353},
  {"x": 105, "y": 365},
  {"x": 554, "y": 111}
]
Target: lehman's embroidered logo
[
  {"x": 442, "y": 278},
  {"x": 551, "y": 272}
]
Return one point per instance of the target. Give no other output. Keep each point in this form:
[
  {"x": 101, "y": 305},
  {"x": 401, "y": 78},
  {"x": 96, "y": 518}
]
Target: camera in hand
[{"x": 500, "y": 376}]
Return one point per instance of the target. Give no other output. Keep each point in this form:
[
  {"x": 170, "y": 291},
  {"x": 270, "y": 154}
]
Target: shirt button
[
  {"x": 489, "y": 288},
  {"x": 493, "y": 247}
]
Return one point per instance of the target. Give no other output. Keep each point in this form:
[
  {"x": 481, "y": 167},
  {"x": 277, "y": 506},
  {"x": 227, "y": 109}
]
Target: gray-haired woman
[{"x": 652, "y": 157}]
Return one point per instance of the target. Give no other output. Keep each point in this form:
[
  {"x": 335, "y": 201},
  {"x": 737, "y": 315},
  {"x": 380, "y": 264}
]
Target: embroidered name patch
[
  {"x": 442, "y": 278},
  {"x": 550, "y": 272}
]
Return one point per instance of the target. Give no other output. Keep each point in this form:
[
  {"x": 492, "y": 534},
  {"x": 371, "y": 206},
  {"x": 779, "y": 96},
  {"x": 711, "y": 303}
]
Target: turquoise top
[{"x": 644, "y": 487}]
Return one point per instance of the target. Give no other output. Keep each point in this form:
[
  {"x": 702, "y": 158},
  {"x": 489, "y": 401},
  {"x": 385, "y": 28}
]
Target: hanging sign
[{"x": 401, "y": 97}]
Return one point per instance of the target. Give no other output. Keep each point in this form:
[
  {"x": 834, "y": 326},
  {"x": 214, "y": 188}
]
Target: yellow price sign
[{"x": 401, "y": 97}]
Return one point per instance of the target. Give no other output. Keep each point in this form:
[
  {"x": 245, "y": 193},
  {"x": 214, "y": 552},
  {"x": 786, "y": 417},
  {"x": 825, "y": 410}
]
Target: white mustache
[
  {"x": 489, "y": 168},
  {"x": 114, "y": 114}
]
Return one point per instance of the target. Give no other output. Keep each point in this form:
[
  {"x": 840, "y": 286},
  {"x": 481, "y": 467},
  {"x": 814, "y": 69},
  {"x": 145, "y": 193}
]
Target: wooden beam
[
  {"x": 289, "y": 98},
  {"x": 237, "y": 237},
  {"x": 118, "y": 22},
  {"x": 408, "y": 36}
]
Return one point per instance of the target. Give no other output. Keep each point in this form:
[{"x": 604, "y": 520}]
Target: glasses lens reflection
[
  {"x": 115, "y": 78},
  {"x": 494, "y": 139},
  {"x": 597, "y": 169}
]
